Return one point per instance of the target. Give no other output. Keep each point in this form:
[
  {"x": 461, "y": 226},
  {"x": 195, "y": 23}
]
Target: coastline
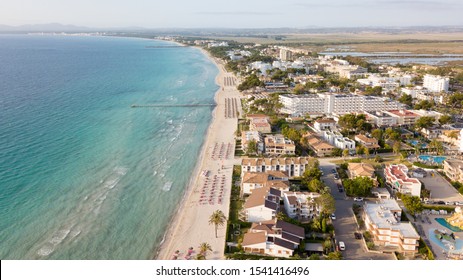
[{"x": 190, "y": 221}]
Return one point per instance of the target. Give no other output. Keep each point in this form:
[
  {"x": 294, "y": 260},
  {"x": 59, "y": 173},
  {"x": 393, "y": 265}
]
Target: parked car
[
  {"x": 357, "y": 235},
  {"x": 342, "y": 246},
  {"x": 459, "y": 203},
  {"x": 336, "y": 177},
  {"x": 358, "y": 198},
  {"x": 440, "y": 202},
  {"x": 333, "y": 216}
]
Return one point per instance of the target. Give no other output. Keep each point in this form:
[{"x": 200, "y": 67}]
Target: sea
[{"x": 83, "y": 173}]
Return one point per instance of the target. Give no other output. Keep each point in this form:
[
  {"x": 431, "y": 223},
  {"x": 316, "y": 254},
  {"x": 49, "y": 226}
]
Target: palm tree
[
  {"x": 218, "y": 219},
  {"x": 203, "y": 249}
]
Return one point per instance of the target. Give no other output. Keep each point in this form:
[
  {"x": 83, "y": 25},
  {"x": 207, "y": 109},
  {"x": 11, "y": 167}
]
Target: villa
[
  {"x": 273, "y": 237},
  {"x": 370, "y": 143},
  {"x": 355, "y": 170},
  {"x": 278, "y": 145},
  {"x": 256, "y": 180},
  {"x": 263, "y": 204}
]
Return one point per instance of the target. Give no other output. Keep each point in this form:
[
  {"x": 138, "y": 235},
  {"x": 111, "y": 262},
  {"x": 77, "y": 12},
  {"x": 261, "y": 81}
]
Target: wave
[{"x": 84, "y": 215}]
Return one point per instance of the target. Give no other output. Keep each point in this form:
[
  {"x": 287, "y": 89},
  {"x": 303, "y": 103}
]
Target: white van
[{"x": 342, "y": 246}]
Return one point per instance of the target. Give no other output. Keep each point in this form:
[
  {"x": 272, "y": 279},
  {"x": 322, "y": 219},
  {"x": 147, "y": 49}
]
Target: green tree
[
  {"x": 445, "y": 119},
  {"x": 424, "y": 122},
  {"x": 406, "y": 99},
  {"x": 217, "y": 219},
  {"x": 334, "y": 256},
  {"x": 345, "y": 153},
  {"x": 366, "y": 151},
  {"x": 359, "y": 186},
  {"x": 437, "y": 146},
  {"x": 314, "y": 257},
  {"x": 377, "y": 134},
  {"x": 326, "y": 203},
  {"x": 315, "y": 185},
  {"x": 324, "y": 225},
  {"x": 252, "y": 147},
  {"x": 396, "y": 147},
  {"x": 204, "y": 248},
  {"x": 291, "y": 134},
  {"x": 359, "y": 150},
  {"x": 337, "y": 152},
  {"x": 412, "y": 203}
]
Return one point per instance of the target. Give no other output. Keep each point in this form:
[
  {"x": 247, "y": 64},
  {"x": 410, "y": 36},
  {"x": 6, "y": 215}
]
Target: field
[{"x": 432, "y": 43}]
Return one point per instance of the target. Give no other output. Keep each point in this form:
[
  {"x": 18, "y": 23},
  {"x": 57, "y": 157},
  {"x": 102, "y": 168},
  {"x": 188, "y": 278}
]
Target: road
[{"x": 345, "y": 224}]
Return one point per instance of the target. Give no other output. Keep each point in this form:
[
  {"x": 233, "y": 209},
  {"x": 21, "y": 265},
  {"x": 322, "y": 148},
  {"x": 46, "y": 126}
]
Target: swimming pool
[
  {"x": 458, "y": 243},
  {"x": 444, "y": 223},
  {"x": 416, "y": 142},
  {"x": 432, "y": 159}
]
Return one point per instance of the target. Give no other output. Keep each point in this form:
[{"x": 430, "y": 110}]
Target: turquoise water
[
  {"x": 81, "y": 171},
  {"x": 444, "y": 223},
  {"x": 432, "y": 159},
  {"x": 415, "y": 142},
  {"x": 458, "y": 245}
]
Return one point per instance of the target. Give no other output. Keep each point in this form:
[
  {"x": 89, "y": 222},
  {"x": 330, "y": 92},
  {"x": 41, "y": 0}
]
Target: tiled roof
[{"x": 252, "y": 238}]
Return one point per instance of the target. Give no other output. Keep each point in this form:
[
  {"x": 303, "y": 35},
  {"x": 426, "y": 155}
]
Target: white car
[
  {"x": 333, "y": 216},
  {"x": 342, "y": 246},
  {"x": 358, "y": 198}
]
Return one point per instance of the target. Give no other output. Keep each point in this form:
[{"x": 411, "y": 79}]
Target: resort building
[
  {"x": 436, "y": 83},
  {"x": 382, "y": 220},
  {"x": 386, "y": 83},
  {"x": 301, "y": 205},
  {"x": 255, "y": 180},
  {"x": 397, "y": 177},
  {"x": 431, "y": 132},
  {"x": 247, "y": 136},
  {"x": 293, "y": 166},
  {"x": 368, "y": 142},
  {"x": 355, "y": 170},
  {"x": 263, "y": 204},
  {"x": 454, "y": 169},
  {"x": 380, "y": 119},
  {"x": 277, "y": 145},
  {"x": 273, "y": 238},
  {"x": 340, "y": 104},
  {"x": 338, "y": 140},
  {"x": 404, "y": 117}
]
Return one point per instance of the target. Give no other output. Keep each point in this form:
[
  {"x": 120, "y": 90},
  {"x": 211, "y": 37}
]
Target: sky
[{"x": 232, "y": 13}]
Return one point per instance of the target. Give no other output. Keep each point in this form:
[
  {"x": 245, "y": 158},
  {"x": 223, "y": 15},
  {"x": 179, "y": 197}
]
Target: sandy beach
[{"x": 206, "y": 194}]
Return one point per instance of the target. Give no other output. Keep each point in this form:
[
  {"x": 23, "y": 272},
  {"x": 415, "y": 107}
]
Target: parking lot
[{"x": 441, "y": 190}]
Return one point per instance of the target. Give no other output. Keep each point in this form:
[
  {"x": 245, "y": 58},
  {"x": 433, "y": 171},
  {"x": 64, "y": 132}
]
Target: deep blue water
[{"x": 81, "y": 172}]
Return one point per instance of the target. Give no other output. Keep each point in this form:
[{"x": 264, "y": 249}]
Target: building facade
[
  {"x": 397, "y": 177},
  {"x": 436, "y": 83}
]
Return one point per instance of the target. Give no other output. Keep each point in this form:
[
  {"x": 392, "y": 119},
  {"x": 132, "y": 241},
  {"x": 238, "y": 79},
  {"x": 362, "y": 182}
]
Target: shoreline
[{"x": 189, "y": 221}]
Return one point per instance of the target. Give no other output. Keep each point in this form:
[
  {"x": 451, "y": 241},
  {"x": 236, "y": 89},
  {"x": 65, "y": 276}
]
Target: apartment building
[
  {"x": 404, "y": 117},
  {"x": 382, "y": 220},
  {"x": 293, "y": 166},
  {"x": 454, "y": 169},
  {"x": 324, "y": 124},
  {"x": 286, "y": 55},
  {"x": 380, "y": 119},
  {"x": 277, "y": 145},
  {"x": 397, "y": 177},
  {"x": 247, "y": 136},
  {"x": 301, "y": 205}
]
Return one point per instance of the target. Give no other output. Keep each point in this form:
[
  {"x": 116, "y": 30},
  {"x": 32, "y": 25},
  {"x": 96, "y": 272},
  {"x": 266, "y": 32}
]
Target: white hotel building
[
  {"x": 436, "y": 83},
  {"x": 298, "y": 105}
]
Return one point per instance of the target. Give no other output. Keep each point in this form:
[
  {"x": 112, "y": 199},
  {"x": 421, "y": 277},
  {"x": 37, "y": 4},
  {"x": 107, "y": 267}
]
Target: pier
[{"x": 170, "y": 105}]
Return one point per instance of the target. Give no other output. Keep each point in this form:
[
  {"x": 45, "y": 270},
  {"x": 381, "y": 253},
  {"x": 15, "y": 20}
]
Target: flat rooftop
[{"x": 381, "y": 215}]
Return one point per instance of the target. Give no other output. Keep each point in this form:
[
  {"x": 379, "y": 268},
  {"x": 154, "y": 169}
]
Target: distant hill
[{"x": 49, "y": 27}]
